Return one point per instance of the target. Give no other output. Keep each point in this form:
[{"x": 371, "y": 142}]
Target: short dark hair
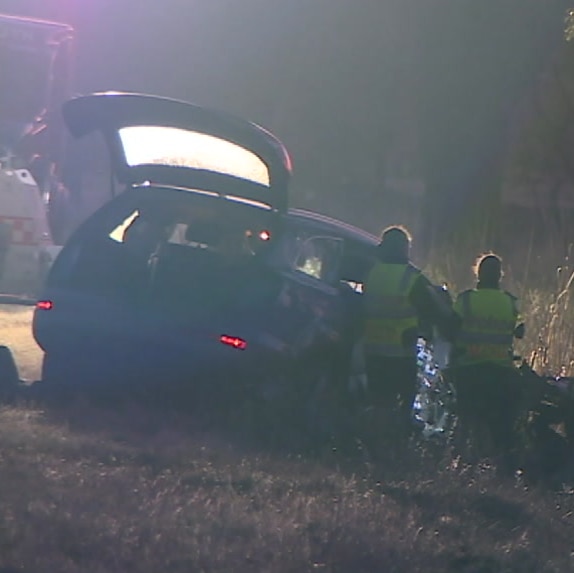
[
  {"x": 488, "y": 266},
  {"x": 395, "y": 243},
  {"x": 396, "y": 233}
]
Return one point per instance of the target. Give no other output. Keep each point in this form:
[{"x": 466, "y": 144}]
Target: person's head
[
  {"x": 395, "y": 244},
  {"x": 488, "y": 270}
]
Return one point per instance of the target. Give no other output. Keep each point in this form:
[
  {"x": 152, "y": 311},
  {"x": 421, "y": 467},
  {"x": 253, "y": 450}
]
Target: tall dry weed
[{"x": 549, "y": 315}]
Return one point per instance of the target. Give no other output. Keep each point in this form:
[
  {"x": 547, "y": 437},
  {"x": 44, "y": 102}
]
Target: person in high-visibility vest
[
  {"x": 398, "y": 299},
  {"x": 487, "y": 383}
]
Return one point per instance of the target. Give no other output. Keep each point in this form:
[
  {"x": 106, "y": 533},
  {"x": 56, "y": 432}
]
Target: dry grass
[
  {"x": 92, "y": 490},
  {"x": 550, "y": 319}
]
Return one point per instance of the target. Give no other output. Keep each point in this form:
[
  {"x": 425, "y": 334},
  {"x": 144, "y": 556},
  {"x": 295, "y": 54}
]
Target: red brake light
[
  {"x": 234, "y": 341},
  {"x": 44, "y": 305}
]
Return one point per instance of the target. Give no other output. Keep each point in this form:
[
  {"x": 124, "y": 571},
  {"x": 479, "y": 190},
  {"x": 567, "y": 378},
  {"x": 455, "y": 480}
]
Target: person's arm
[{"x": 434, "y": 308}]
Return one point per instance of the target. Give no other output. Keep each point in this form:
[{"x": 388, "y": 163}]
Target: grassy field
[
  {"x": 90, "y": 490},
  {"x": 131, "y": 490}
]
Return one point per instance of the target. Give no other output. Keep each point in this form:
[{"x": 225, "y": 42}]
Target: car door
[{"x": 310, "y": 310}]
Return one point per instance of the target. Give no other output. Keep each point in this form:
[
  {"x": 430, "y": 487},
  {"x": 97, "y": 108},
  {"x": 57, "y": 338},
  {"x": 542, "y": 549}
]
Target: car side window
[{"x": 317, "y": 256}]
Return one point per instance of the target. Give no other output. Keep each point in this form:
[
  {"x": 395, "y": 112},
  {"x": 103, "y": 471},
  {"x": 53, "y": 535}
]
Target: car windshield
[{"x": 172, "y": 146}]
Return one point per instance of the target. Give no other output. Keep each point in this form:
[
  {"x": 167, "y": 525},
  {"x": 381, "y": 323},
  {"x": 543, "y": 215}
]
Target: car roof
[
  {"x": 318, "y": 220},
  {"x": 334, "y": 225}
]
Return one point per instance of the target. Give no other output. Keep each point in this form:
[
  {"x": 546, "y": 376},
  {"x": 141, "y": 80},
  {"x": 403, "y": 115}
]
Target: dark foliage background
[{"x": 372, "y": 97}]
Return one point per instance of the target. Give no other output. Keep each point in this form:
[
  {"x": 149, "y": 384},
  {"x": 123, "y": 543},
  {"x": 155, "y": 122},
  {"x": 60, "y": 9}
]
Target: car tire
[{"x": 294, "y": 403}]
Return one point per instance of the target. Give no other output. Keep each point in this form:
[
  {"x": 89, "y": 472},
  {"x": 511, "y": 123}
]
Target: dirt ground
[{"x": 16, "y": 333}]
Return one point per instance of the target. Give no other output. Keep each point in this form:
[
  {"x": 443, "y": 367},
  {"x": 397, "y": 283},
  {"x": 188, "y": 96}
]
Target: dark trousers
[
  {"x": 488, "y": 399},
  {"x": 392, "y": 388}
]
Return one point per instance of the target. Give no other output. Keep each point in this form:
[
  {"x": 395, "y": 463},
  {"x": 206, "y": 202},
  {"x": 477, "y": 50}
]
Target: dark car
[{"x": 197, "y": 270}]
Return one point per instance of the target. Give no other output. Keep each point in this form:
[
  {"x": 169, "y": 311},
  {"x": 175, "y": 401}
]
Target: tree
[
  {"x": 541, "y": 158},
  {"x": 477, "y": 58}
]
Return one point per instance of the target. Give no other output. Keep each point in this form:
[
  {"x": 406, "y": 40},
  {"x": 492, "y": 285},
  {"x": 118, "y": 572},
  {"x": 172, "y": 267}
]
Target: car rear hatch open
[{"x": 166, "y": 142}]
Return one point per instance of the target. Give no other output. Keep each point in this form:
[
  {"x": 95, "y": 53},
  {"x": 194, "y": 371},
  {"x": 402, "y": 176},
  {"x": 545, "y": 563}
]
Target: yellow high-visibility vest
[
  {"x": 489, "y": 317},
  {"x": 388, "y": 311}
]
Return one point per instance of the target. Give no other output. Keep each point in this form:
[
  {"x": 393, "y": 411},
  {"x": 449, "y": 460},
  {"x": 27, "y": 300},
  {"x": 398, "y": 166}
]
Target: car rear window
[{"x": 165, "y": 245}]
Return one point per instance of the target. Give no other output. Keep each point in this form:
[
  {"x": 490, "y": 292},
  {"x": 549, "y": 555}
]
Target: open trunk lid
[{"x": 162, "y": 141}]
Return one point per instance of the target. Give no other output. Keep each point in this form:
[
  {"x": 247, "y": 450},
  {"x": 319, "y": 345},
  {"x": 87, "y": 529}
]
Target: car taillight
[
  {"x": 233, "y": 341},
  {"x": 44, "y": 305}
]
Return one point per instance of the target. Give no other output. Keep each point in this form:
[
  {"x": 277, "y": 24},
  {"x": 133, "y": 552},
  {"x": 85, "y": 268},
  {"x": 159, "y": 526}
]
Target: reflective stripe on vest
[
  {"x": 484, "y": 336},
  {"x": 388, "y": 309}
]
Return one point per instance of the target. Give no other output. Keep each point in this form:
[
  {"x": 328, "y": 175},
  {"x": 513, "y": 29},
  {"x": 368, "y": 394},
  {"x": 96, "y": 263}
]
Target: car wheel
[{"x": 294, "y": 404}]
